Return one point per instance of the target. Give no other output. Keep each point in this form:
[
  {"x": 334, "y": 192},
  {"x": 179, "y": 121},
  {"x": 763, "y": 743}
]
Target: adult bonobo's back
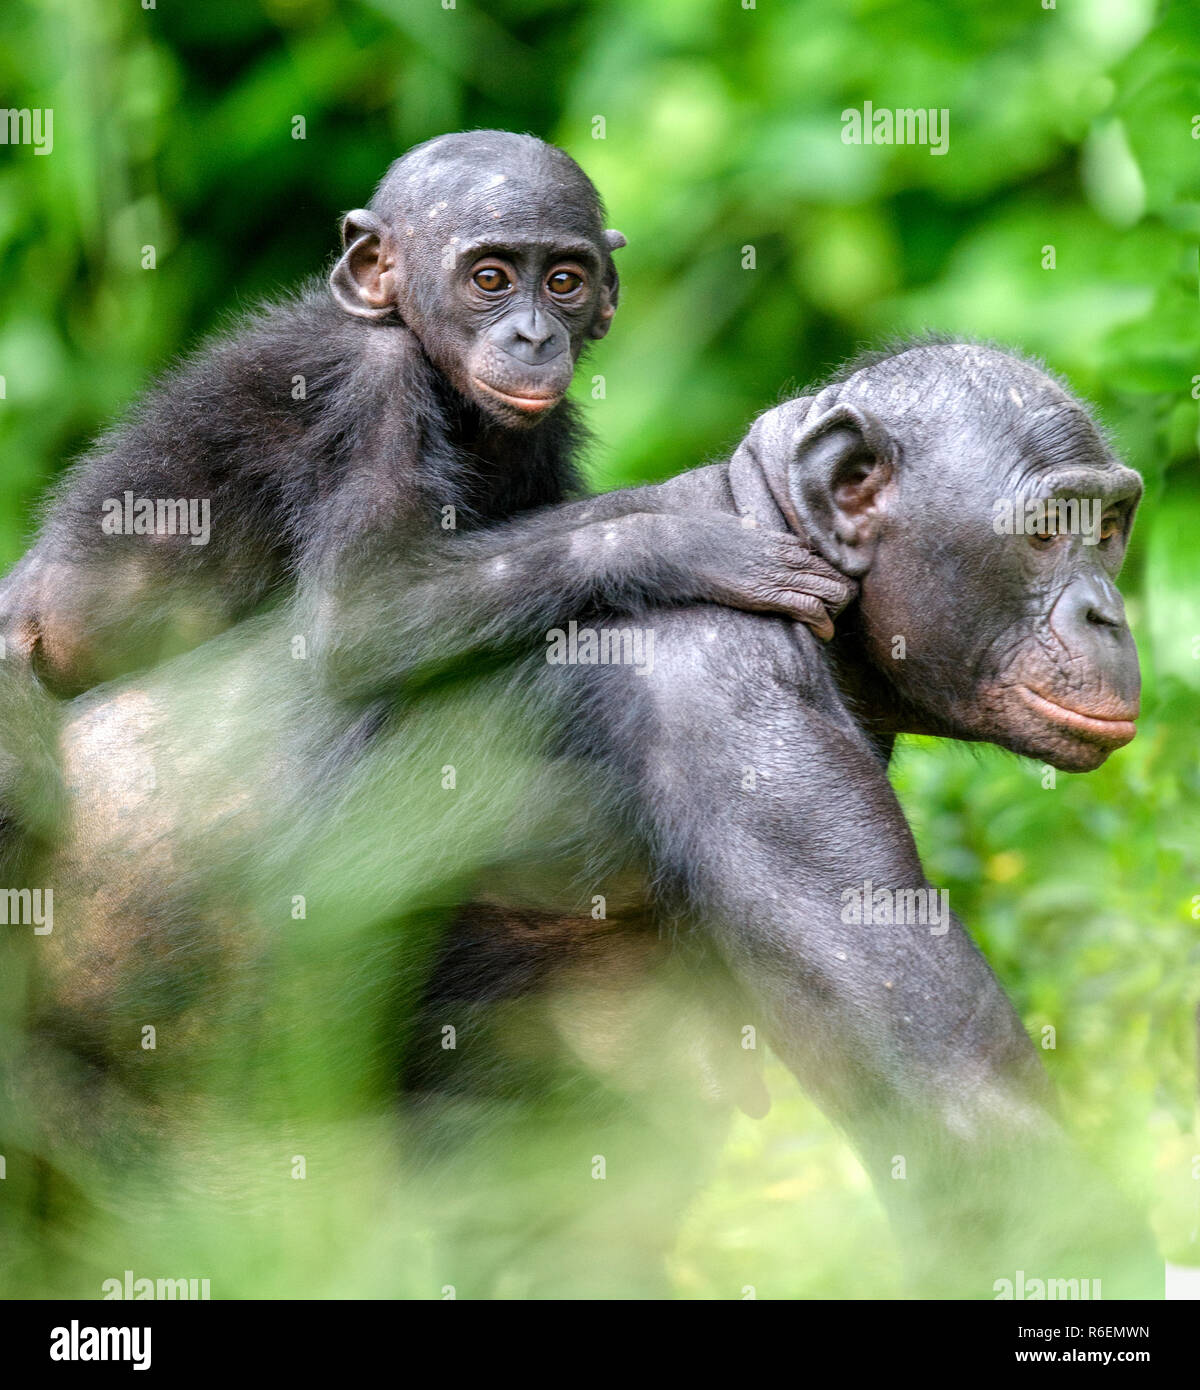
[{"x": 360, "y": 425}]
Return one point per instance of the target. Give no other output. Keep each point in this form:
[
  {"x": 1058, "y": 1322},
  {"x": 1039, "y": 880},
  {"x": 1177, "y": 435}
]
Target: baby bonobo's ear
[
  {"x": 364, "y": 281},
  {"x": 842, "y": 463},
  {"x": 610, "y": 290}
]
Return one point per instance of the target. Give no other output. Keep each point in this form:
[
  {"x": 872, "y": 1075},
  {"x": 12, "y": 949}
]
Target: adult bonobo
[
  {"x": 748, "y": 767},
  {"x": 417, "y": 394},
  {"x": 715, "y": 805}
]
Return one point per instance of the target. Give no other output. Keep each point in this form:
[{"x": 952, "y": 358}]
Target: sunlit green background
[{"x": 1073, "y": 128}]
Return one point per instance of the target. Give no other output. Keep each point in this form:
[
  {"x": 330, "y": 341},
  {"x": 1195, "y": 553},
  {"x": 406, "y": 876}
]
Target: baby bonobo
[{"x": 370, "y": 425}]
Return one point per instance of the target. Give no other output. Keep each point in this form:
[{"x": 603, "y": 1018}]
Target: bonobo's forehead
[
  {"x": 489, "y": 185},
  {"x": 955, "y": 379},
  {"x": 979, "y": 411}
]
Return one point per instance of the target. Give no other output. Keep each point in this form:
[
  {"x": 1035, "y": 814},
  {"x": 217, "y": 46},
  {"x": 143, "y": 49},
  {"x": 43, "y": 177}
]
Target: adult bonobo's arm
[
  {"x": 764, "y": 806},
  {"x": 788, "y": 811},
  {"x": 501, "y": 588},
  {"x": 768, "y": 811}
]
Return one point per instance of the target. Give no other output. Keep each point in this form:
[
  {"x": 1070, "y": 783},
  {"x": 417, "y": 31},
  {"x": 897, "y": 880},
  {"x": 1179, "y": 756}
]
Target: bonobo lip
[
  {"x": 1097, "y": 728},
  {"x": 530, "y": 404}
]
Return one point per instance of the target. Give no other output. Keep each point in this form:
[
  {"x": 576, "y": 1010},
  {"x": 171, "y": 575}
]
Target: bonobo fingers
[
  {"x": 820, "y": 591},
  {"x": 778, "y": 573}
]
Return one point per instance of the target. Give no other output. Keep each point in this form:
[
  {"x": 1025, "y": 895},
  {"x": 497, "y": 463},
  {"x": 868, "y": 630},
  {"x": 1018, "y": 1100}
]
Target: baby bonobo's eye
[
  {"x": 564, "y": 282},
  {"x": 491, "y": 279}
]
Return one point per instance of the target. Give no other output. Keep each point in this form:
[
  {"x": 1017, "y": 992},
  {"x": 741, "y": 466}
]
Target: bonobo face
[
  {"x": 522, "y": 311},
  {"x": 491, "y": 248},
  {"x": 987, "y": 519}
]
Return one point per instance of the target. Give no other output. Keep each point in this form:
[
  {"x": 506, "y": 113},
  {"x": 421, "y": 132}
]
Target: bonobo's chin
[
  {"x": 1066, "y": 755},
  {"x": 520, "y": 410},
  {"x": 1071, "y": 739}
]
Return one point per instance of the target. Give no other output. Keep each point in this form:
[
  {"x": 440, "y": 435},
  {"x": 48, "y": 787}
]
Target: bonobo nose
[
  {"x": 1089, "y": 619},
  {"x": 533, "y": 338},
  {"x": 1093, "y": 602},
  {"x": 1106, "y": 608}
]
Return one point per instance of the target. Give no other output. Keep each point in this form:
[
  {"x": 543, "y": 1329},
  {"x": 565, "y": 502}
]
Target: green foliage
[{"x": 1064, "y": 219}]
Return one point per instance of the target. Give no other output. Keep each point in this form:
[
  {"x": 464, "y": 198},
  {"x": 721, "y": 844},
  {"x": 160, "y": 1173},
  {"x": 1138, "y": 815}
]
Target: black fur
[{"x": 346, "y": 438}]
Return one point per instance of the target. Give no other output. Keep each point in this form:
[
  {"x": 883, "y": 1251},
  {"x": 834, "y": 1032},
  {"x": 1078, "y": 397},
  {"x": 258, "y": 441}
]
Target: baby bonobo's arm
[{"x": 498, "y": 589}]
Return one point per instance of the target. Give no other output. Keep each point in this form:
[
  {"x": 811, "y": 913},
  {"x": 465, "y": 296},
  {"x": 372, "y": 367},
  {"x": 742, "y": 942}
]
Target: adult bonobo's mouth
[
  {"x": 528, "y": 405},
  {"x": 1114, "y": 727}
]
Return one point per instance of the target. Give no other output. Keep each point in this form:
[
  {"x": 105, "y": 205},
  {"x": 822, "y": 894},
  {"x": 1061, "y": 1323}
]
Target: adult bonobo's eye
[
  {"x": 1046, "y": 535},
  {"x": 1111, "y": 524},
  {"x": 491, "y": 279},
  {"x": 562, "y": 283}
]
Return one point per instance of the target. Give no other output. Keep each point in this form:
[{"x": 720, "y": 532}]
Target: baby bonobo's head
[
  {"x": 986, "y": 518},
  {"x": 491, "y": 248}
]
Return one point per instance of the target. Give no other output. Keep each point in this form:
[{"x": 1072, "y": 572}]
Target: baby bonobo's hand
[{"x": 774, "y": 572}]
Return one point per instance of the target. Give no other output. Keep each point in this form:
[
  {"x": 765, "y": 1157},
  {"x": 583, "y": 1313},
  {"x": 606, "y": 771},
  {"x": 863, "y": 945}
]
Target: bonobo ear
[
  {"x": 610, "y": 290},
  {"x": 842, "y": 463},
  {"x": 364, "y": 281}
]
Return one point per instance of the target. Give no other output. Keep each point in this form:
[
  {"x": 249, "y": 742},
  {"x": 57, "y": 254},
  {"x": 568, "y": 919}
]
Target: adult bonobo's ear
[
  {"x": 842, "y": 461},
  {"x": 364, "y": 281},
  {"x": 610, "y": 290}
]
